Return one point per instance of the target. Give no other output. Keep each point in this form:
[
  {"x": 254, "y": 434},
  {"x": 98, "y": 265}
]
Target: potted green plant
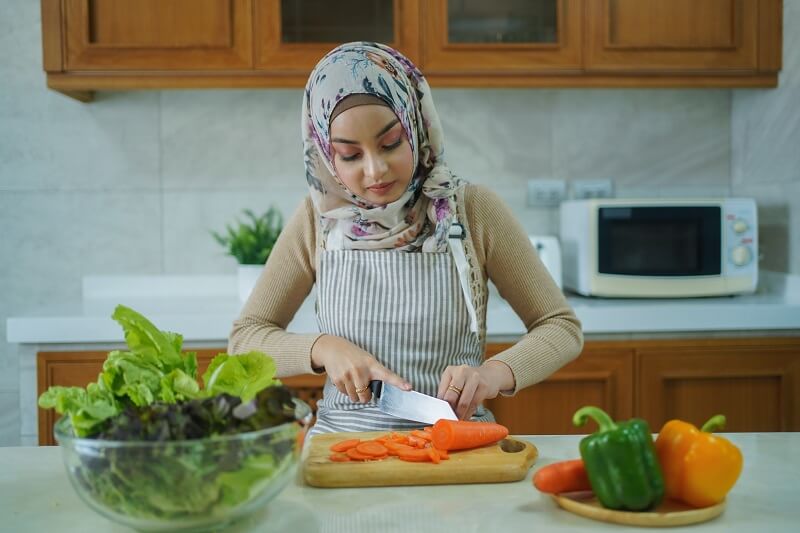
[{"x": 250, "y": 243}]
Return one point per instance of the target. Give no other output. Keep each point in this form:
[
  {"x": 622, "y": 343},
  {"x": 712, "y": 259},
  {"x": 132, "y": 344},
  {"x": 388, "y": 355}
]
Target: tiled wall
[
  {"x": 765, "y": 153},
  {"x": 133, "y": 182}
]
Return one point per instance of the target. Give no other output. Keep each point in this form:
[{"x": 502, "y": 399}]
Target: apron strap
[{"x": 457, "y": 234}]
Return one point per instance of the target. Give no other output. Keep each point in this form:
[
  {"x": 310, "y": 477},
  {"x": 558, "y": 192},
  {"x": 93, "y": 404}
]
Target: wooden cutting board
[{"x": 508, "y": 460}]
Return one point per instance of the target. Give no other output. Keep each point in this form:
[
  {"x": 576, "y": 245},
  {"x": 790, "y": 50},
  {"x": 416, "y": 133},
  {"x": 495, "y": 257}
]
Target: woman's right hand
[{"x": 350, "y": 368}]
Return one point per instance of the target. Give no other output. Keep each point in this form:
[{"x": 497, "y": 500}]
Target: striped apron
[{"x": 409, "y": 311}]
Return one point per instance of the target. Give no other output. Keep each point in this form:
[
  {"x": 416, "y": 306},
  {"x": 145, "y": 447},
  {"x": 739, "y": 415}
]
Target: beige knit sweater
[{"x": 497, "y": 248}]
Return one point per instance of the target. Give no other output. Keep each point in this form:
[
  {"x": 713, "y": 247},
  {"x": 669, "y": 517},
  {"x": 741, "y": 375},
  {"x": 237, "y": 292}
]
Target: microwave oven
[{"x": 659, "y": 248}]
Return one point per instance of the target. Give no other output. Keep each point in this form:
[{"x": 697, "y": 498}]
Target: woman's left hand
[{"x": 466, "y": 387}]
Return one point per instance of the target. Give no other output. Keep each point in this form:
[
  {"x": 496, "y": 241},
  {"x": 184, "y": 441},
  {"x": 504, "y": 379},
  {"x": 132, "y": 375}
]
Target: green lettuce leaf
[
  {"x": 87, "y": 408},
  {"x": 178, "y": 385},
  {"x": 159, "y": 348},
  {"x": 153, "y": 369},
  {"x": 239, "y": 375}
]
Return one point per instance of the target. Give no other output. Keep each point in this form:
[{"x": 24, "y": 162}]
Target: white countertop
[
  {"x": 35, "y": 495},
  {"x": 202, "y": 308}
]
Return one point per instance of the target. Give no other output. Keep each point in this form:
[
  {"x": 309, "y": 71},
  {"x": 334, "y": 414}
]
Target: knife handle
[{"x": 376, "y": 387}]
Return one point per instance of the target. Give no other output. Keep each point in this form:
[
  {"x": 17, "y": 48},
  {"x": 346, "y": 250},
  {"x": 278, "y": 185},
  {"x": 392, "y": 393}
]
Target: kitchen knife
[{"x": 410, "y": 405}]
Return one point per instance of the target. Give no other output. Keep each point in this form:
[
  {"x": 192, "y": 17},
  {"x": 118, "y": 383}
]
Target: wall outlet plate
[
  {"x": 586, "y": 189},
  {"x": 546, "y": 193}
]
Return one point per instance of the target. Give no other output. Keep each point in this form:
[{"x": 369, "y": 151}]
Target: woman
[{"x": 401, "y": 251}]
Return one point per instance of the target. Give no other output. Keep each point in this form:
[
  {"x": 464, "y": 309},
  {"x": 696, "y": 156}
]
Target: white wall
[{"x": 133, "y": 182}]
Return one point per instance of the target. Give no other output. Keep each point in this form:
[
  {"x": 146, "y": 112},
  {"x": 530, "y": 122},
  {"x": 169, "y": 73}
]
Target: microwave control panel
[{"x": 740, "y": 230}]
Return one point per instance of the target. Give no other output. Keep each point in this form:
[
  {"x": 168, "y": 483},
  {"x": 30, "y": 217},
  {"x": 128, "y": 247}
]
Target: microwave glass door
[{"x": 659, "y": 241}]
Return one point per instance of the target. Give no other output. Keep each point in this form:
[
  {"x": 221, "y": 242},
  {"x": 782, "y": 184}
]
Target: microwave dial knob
[
  {"x": 741, "y": 255},
  {"x": 740, "y": 226}
]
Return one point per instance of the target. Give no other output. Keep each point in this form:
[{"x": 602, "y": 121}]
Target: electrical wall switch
[
  {"x": 587, "y": 189},
  {"x": 546, "y": 193}
]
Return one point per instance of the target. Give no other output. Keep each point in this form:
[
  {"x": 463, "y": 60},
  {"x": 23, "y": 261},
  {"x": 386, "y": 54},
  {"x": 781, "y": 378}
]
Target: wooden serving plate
[{"x": 669, "y": 513}]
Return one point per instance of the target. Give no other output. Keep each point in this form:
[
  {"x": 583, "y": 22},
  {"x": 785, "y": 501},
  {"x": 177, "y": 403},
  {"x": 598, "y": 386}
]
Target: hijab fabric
[{"x": 420, "y": 219}]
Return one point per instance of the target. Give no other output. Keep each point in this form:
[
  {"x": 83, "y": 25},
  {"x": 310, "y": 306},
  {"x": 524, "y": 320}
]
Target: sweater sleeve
[
  {"x": 554, "y": 335},
  {"x": 281, "y": 289}
]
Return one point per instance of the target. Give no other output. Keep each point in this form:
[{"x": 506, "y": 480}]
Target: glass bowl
[{"x": 196, "y": 485}]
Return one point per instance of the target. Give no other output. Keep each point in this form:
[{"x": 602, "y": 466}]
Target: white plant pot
[{"x": 247, "y": 275}]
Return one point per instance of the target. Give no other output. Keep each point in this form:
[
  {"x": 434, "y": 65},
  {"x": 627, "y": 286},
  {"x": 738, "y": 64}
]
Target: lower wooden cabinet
[
  {"x": 754, "y": 382},
  {"x": 601, "y": 376}
]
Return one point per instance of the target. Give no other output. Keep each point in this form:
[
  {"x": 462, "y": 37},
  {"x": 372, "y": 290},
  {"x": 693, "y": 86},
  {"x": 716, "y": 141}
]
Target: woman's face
[{"x": 371, "y": 153}]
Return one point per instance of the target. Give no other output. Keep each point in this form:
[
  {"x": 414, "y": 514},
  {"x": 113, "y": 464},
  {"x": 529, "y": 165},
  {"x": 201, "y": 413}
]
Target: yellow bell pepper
[{"x": 699, "y": 468}]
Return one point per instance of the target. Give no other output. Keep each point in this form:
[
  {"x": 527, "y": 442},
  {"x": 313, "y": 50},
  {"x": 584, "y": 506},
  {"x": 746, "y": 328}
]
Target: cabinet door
[
  {"x": 672, "y": 35},
  {"x": 78, "y": 369},
  {"x": 601, "y": 376},
  {"x": 158, "y": 34},
  {"x": 753, "y": 382},
  {"x": 502, "y": 37},
  {"x": 293, "y": 35}
]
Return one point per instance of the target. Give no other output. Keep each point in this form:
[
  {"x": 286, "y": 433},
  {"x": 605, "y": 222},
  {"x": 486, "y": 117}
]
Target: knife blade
[{"x": 410, "y": 405}]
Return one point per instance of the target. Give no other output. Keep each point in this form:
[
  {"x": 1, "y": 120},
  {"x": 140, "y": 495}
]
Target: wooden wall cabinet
[
  {"x": 682, "y": 36},
  {"x": 91, "y": 45},
  {"x": 754, "y": 382},
  {"x": 452, "y": 54},
  {"x": 297, "y": 54},
  {"x": 158, "y": 35}
]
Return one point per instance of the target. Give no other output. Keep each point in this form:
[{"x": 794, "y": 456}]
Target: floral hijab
[{"x": 420, "y": 219}]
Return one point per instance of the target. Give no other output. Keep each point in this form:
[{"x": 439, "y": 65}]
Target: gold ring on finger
[
  {"x": 363, "y": 389},
  {"x": 455, "y": 389}
]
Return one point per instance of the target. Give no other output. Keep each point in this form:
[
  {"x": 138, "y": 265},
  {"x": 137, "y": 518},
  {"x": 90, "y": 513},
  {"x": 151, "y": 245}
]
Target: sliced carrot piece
[
  {"x": 442, "y": 454},
  {"x": 417, "y": 442},
  {"x": 412, "y": 459},
  {"x": 434, "y": 455},
  {"x": 339, "y": 458},
  {"x": 414, "y": 455},
  {"x": 427, "y": 435},
  {"x": 402, "y": 439},
  {"x": 372, "y": 448},
  {"x": 352, "y": 453},
  {"x": 344, "y": 445},
  {"x": 395, "y": 447}
]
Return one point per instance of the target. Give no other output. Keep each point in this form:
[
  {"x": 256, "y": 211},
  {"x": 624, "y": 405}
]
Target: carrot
[
  {"x": 396, "y": 447},
  {"x": 461, "y": 434},
  {"x": 434, "y": 455},
  {"x": 564, "y": 476},
  {"x": 344, "y": 445},
  {"x": 372, "y": 448},
  {"x": 406, "y": 447},
  {"x": 417, "y": 442},
  {"x": 398, "y": 437},
  {"x": 415, "y": 455},
  {"x": 421, "y": 434},
  {"x": 353, "y": 453}
]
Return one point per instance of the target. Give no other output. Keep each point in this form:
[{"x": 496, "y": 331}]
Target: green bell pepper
[{"x": 621, "y": 462}]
